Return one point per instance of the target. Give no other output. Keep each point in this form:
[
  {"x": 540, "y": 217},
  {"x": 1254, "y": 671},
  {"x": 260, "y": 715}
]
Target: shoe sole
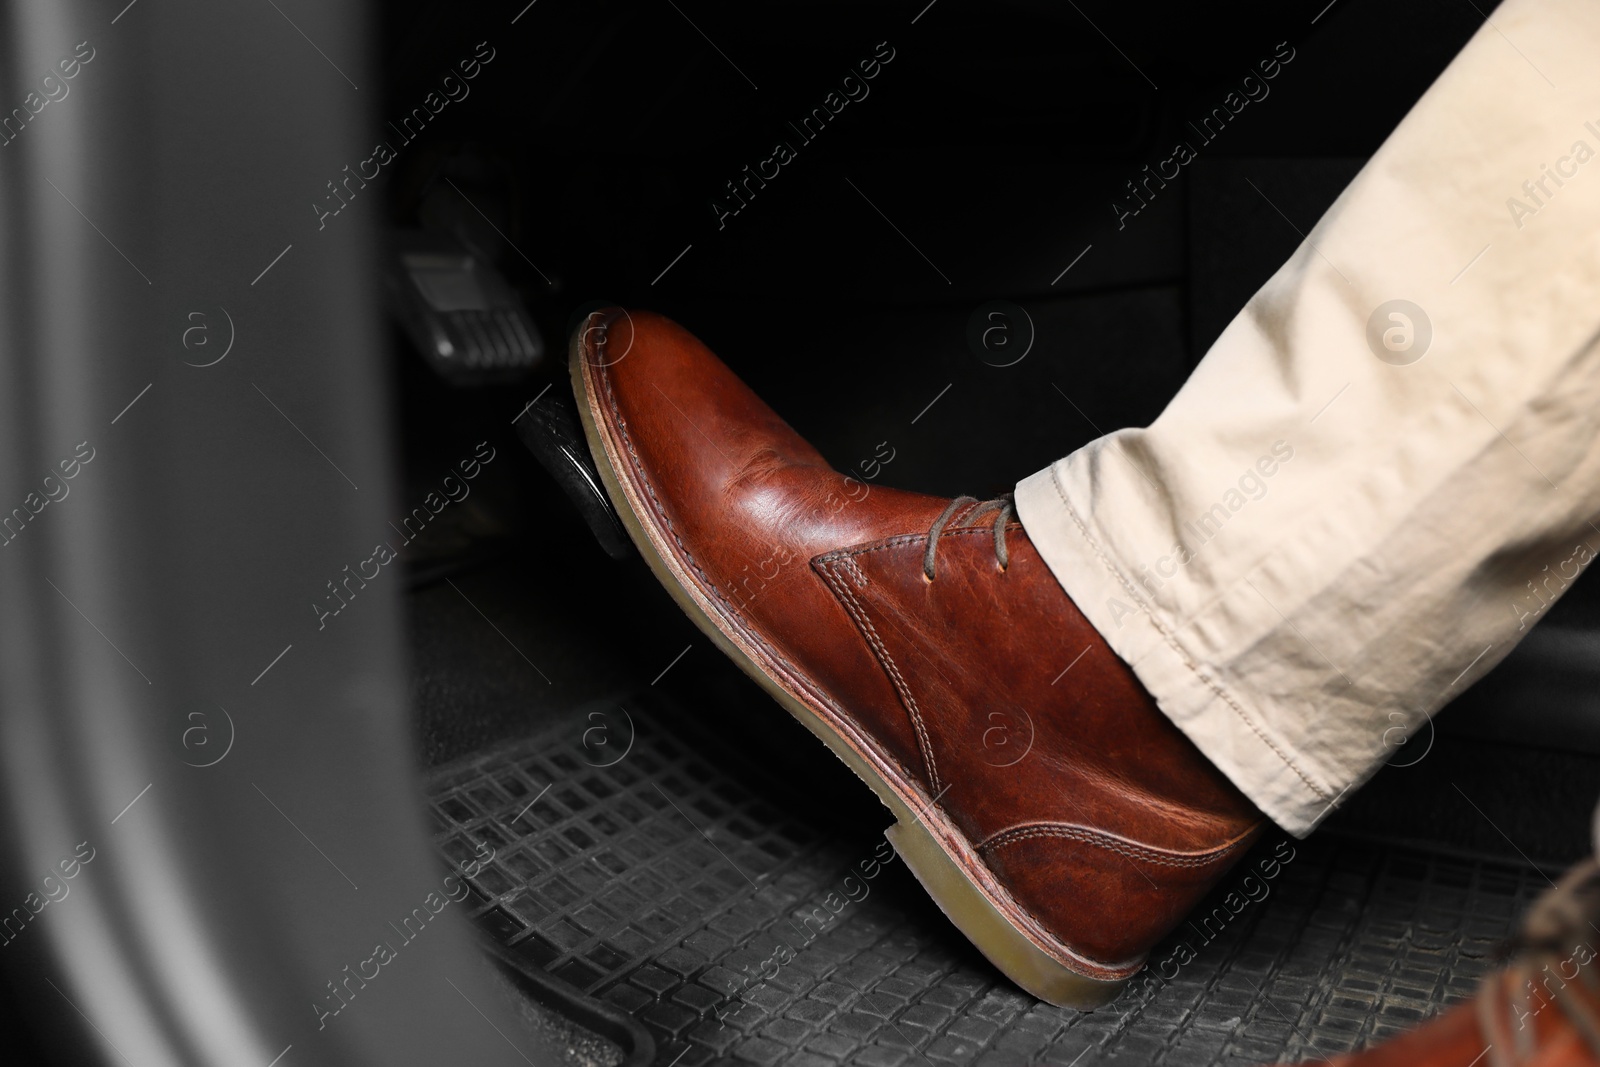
[{"x": 937, "y": 860}]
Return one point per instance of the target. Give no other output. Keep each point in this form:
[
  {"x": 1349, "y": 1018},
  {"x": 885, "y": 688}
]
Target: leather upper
[
  {"x": 984, "y": 687},
  {"x": 1516, "y": 1020}
]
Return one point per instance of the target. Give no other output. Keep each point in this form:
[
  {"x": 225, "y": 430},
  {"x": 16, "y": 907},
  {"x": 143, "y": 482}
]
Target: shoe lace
[
  {"x": 1003, "y": 503},
  {"x": 1560, "y": 921}
]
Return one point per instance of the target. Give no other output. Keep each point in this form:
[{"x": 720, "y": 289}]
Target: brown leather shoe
[
  {"x": 1542, "y": 1011},
  {"x": 1056, "y": 816}
]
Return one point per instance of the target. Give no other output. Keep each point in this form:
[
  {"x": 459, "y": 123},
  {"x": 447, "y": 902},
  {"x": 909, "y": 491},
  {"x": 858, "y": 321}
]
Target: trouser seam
[{"x": 1172, "y": 641}]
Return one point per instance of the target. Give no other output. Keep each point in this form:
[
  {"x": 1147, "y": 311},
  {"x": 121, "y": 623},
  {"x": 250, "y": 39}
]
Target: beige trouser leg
[{"x": 1313, "y": 547}]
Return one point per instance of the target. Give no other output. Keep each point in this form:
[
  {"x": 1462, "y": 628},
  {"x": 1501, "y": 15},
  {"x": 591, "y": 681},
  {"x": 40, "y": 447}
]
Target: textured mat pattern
[{"x": 739, "y": 932}]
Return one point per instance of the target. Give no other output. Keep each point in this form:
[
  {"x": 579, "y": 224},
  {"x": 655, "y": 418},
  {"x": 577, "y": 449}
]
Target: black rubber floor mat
[{"x": 648, "y": 871}]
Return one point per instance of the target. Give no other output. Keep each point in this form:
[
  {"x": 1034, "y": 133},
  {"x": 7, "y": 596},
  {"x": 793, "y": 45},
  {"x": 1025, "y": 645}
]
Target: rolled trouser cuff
[{"x": 1225, "y": 724}]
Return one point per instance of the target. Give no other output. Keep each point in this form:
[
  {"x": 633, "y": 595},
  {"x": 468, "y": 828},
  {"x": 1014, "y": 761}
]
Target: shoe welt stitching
[
  {"x": 858, "y": 612},
  {"x": 797, "y": 678},
  {"x": 1112, "y": 843},
  {"x": 1130, "y": 849}
]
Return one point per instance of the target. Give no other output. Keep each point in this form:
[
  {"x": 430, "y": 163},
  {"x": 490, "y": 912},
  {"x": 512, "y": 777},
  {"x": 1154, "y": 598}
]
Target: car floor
[{"x": 668, "y": 840}]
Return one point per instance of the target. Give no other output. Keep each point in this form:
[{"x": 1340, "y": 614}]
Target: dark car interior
[{"x": 945, "y": 240}]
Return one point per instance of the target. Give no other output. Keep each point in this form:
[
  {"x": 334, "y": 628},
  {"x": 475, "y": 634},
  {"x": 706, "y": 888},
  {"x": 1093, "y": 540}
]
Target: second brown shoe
[{"x": 1053, "y": 812}]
